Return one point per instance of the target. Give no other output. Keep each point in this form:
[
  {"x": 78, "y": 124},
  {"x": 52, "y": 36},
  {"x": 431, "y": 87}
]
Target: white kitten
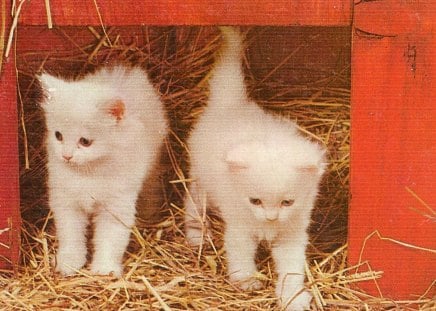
[
  {"x": 261, "y": 174},
  {"x": 104, "y": 133}
]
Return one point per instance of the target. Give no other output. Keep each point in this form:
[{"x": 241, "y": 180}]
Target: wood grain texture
[
  {"x": 10, "y": 220},
  {"x": 393, "y": 145},
  {"x": 189, "y": 12}
]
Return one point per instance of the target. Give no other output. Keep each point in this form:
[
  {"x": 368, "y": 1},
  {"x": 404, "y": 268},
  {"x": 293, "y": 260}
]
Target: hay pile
[{"x": 161, "y": 271}]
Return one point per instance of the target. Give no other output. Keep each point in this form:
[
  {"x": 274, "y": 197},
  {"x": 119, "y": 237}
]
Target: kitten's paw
[
  {"x": 196, "y": 237},
  {"x": 246, "y": 283},
  {"x": 194, "y": 240},
  {"x": 250, "y": 284},
  {"x": 107, "y": 268},
  {"x": 67, "y": 262},
  {"x": 298, "y": 303}
]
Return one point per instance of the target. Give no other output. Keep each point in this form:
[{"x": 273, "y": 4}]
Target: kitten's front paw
[
  {"x": 298, "y": 303},
  {"x": 246, "y": 283},
  {"x": 68, "y": 262},
  {"x": 107, "y": 268},
  {"x": 196, "y": 237},
  {"x": 250, "y": 284}
]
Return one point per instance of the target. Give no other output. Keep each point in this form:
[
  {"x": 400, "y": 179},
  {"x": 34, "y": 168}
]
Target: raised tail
[{"x": 227, "y": 87}]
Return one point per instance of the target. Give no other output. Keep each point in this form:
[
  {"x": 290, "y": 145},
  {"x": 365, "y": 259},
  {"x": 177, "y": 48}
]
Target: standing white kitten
[
  {"x": 104, "y": 133},
  {"x": 261, "y": 174}
]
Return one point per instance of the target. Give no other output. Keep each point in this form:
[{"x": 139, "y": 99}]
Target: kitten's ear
[
  {"x": 235, "y": 166},
  {"x": 49, "y": 83},
  {"x": 236, "y": 159},
  {"x": 116, "y": 109},
  {"x": 309, "y": 169},
  {"x": 315, "y": 166},
  {"x": 312, "y": 169}
]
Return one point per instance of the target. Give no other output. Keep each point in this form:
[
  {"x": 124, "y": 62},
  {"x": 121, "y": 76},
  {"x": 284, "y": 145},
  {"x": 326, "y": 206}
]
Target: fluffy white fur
[
  {"x": 104, "y": 133},
  {"x": 261, "y": 174}
]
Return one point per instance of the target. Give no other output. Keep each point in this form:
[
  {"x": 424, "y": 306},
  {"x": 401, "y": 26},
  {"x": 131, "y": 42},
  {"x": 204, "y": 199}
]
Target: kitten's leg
[
  {"x": 112, "y": 234},
  {"x": 241, "y": 251},
  {"x": 71, "y": 223},
  {"x": 196, "y": 224},
  {"x": 290, "y": 260}
]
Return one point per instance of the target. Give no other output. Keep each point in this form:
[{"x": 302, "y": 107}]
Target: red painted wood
[
  {"x": 10, "y": 221},
  {"x": 189, "y": 12},
  {"x": 41, "y": 39},
  {"x": 393, "y": 151}
]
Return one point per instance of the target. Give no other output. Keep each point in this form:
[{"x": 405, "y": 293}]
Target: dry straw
[{"x": 161, "y": 271}]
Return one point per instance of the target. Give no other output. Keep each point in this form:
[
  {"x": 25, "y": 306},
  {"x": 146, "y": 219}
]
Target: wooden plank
[
  {"x": 189, "y": 12},
  {"x": 10, "y": 221},
  {"x": 393, "y": 151}
]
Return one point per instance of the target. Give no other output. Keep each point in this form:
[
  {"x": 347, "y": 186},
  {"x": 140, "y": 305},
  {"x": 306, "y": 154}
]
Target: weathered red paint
[
  {"x": 10, "y": 220},
  {"x": 393, "y": 151},
  {"x": 189, "y": 12}
]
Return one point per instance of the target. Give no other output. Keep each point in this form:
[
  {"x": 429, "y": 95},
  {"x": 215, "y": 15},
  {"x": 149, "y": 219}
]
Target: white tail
[{"x": 227, "y": 87}]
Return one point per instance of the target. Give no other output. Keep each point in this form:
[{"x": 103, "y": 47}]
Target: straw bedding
[{"x": 161, "y": 271}]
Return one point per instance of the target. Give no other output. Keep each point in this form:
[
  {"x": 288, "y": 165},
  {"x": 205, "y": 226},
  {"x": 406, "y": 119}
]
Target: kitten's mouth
[
  {"x": 80, "y": 169},
  {"x": 86, "y": 167},
  {"x": 71, "y": 163},
  {"x": 267, "y": 221}
]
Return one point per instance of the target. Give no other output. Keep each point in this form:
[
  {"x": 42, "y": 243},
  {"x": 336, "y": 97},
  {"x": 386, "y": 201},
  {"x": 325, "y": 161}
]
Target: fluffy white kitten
[
  {"x": 261, "y": 175},
  {"x": 104, "y": 133}
]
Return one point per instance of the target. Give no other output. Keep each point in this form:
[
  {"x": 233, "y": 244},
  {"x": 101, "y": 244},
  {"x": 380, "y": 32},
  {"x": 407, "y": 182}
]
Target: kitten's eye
[
  {"x": 85, "y": 142},
  {"x": 58, "y": 136},
  {"x": 286, "y": 203},
  {"x": 255, "y": 201}
]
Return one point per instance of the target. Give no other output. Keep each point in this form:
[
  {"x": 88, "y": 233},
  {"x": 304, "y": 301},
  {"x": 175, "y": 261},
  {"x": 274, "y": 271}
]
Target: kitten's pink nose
[
  {"x": 271, "y": 215},
  {"x": 67, "y": 157}
]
